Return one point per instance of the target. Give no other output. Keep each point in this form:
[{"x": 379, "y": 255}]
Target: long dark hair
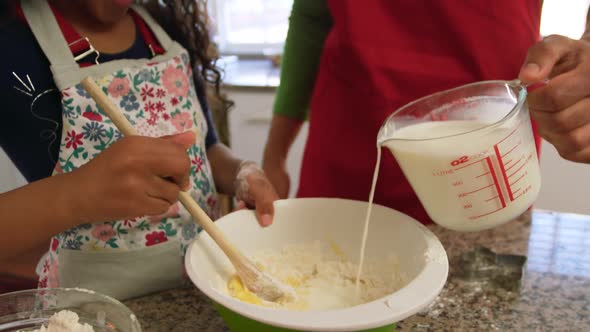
[{"x": 187, "y": 22}]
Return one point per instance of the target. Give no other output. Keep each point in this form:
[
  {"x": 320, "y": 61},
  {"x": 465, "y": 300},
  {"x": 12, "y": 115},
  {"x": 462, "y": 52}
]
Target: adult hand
[
  {"x": 561, "y": 107},
  {"x": 136, "y": 176},
  {"x": 254, "y": 190}
]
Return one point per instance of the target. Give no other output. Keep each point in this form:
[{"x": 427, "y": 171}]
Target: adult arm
[{"x": 309, "y": 25}]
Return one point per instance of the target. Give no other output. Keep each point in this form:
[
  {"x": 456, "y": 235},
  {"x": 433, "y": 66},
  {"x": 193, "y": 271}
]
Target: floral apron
[{"x": 124, "y": 258}]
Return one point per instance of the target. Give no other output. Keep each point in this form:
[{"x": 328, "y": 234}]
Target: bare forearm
[
  {"x": 35, "y": 212},
  {"x": 224, "y": 166},
  {"x": 281, "y": 136}
]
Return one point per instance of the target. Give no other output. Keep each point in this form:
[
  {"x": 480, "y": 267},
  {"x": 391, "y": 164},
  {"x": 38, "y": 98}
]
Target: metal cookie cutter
[{"x": 500, "y": 270}]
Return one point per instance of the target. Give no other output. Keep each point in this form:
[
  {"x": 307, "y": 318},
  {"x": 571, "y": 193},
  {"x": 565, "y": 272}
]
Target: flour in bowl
[
  {"x": 65, "y": 321},
  {"x": 322, "y": 277}
]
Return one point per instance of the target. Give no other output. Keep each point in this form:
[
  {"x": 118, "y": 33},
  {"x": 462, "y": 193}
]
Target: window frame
[{"x": 239, "y": 49}]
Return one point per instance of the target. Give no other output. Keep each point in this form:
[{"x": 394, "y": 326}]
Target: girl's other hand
[{"x": 254, "y": 190}]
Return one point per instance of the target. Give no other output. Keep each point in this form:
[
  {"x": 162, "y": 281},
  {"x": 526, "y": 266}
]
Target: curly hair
[{"x": 187, "y": 22}]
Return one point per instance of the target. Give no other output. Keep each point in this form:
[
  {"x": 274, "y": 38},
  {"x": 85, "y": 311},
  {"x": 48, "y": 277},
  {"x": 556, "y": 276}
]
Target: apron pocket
[{"x": 123, "y": 274}]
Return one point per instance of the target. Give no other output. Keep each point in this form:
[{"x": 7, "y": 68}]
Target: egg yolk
[{"x": 236, "y": 289}]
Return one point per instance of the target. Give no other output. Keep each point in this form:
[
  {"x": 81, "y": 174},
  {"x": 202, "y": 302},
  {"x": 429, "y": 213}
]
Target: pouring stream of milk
[{"x": 367, "y": 219}]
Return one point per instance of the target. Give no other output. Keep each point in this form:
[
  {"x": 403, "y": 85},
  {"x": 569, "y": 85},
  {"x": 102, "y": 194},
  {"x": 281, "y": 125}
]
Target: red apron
[{"x": 381, "y": 55}]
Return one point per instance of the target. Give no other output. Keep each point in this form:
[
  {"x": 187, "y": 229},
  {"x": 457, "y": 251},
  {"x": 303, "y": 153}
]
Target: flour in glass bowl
[
  {"x": 323, "y": 278},
  {"x": 65, "y": 321}
]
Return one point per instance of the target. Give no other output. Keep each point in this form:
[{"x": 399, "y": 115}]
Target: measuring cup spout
[{"x": 387, "y": 128}]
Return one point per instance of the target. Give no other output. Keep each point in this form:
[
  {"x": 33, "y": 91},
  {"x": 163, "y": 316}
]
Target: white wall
[
  {"x": 567, "y": 18},
  {"x": 565, "y": 185}
]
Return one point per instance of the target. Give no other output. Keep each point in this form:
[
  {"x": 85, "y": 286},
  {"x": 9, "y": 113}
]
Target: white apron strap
[{"x": 48, "y": 34}]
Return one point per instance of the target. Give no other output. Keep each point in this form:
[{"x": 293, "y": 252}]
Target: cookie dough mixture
[{"x": 322, "y": 276}]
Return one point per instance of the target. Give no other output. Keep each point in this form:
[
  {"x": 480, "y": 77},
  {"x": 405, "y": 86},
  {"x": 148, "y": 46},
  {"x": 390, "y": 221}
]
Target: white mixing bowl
[{"x": 422, "y": 259}]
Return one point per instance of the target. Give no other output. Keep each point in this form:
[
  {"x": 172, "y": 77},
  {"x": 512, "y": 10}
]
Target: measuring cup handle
[{"x": 529, "y": 87}]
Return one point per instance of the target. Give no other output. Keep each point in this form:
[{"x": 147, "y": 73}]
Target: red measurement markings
[
  {"x": 495, "y": 178},
  {"x": 472, "y": 192},
  {"x": 513, "y": 148},
  {"x": 484, "y": 174},
  {"x": 470, "y": 164},
  {"x": 526, "y": 190},
  {"x": 503, "y": 171},
  {"x": 518, "y": 170},
  {"x": 516, "y": 163},
  {"x": 491, "y": 199},
  {"x": 485, "y": 214},
  {"x": 520, "y": 178}
]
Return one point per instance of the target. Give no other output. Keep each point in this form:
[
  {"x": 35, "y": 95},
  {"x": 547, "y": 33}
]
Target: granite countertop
[{"x": 552, "y": 295}]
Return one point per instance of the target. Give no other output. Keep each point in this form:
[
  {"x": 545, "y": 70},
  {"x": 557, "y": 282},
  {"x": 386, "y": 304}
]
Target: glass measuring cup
[{"x": 468, "y": 153}]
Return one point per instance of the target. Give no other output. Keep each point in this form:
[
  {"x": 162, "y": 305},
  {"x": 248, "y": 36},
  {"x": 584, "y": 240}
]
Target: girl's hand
[
  {"x": 254, "y": 190},
  {"x": 136, "y": 176}
]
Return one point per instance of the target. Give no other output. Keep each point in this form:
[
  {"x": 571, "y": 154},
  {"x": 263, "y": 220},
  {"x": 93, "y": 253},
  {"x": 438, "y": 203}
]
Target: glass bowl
[{"x": 30, "y": 309}]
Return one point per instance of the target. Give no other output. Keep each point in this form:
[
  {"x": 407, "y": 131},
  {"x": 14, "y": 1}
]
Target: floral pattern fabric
[{"x": 158, "y": 99}]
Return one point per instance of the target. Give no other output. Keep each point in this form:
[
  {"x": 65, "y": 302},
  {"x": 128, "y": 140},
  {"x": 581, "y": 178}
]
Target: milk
[
  {"x": 366, "y": 223},
  {"x": 469, "y": 182}
]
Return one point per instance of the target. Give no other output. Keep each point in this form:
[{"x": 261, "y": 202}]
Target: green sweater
[{"x": 309, "y": 24}]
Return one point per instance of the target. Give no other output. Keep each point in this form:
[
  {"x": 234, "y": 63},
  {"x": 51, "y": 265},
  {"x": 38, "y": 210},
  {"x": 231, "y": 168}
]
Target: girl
[{"x": 111, "y": 200}]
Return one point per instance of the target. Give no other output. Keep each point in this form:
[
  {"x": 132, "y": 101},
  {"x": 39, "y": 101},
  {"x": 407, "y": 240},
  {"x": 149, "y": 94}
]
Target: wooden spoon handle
[
  {"x": 185, "y": 198},
  {"x": 209, "y": 226}
]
